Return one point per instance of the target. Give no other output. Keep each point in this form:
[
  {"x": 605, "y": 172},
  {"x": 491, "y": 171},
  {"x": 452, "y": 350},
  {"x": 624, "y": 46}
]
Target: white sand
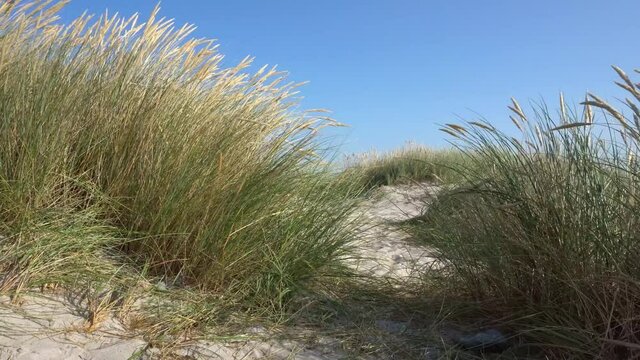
[
  {"x": 49, "y": 328},
  {"x": 384, "y": 249}
]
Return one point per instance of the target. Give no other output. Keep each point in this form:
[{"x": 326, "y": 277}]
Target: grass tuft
[
  {"x": 127, "y": 144},
  {"x": 543, "y": 240}
]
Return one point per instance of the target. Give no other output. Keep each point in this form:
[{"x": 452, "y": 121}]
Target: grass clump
[
  {"x": 411, "y": 163},
  {"x": 136, "y": 137},
  {"x": 544, "y": 240}
]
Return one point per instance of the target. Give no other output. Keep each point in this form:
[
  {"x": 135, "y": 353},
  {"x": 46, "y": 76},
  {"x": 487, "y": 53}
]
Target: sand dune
[{"x": 50, "y": 328}]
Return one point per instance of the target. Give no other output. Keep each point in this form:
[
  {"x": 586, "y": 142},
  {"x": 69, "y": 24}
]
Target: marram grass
[
  {"x": 544, "y": 239},
  {"x": 410, "y": 163},
  {"x": 130, "y": 141}
]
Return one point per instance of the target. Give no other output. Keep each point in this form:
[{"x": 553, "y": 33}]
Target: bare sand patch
[{"x": 384, "y": 249}]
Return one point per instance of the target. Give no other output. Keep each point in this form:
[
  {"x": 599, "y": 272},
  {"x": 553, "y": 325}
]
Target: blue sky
[{"x": 393, "y": 70}]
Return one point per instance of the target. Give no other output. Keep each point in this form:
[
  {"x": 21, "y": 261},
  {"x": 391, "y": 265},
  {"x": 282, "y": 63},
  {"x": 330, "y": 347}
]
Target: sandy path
[
  {"x": 49, "y": 328},
  {"x": 384, "y": 249}
]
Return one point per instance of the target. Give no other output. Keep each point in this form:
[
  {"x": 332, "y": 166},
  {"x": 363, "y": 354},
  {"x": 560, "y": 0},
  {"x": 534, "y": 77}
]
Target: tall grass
[
  {"x": 411, "y": 163},
  {"x": 545, "y": 240},
  {"x": 206, "y": 175}
]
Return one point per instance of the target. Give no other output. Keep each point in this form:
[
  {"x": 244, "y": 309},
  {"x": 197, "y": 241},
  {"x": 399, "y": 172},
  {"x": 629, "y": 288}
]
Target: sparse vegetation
[{"x": 544, "y": 241}]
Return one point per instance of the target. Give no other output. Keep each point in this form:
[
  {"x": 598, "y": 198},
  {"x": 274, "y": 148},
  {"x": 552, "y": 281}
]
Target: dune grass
[
  {"x": 127, "y": 145},
  {"x": 410, "y": 163},
  {"x": 544, "y": 241},
  {"x": 129, "y": 154}
]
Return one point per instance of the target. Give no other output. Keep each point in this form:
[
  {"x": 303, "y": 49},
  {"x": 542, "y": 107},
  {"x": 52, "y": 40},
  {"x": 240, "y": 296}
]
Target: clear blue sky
[{"x": 394, "y": 69}]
